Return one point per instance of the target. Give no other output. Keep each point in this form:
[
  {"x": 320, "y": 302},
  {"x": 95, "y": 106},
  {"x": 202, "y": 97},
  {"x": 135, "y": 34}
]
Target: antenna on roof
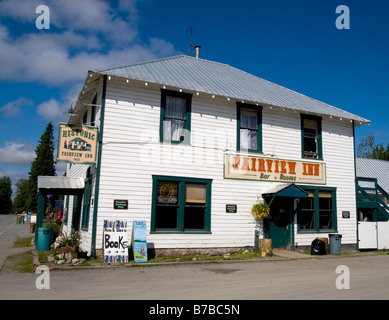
[
  {"x": 195, "y": 49},
  {"x": 191, "y": 44}
]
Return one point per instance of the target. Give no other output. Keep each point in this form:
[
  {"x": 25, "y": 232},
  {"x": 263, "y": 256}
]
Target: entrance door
[{"x": 280, "y": 225}]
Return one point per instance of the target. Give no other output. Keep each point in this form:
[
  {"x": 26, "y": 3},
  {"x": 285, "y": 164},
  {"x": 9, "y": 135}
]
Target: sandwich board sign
[
  {"x": 115, "y": 241},
  {"x": 139, "y": 242}
]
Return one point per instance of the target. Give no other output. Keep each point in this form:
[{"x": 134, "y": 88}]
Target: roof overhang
[
  {"x": 289, "y": 190},
  {"x": 218, "y": 80},
  {"x": 60, "y": 185}
]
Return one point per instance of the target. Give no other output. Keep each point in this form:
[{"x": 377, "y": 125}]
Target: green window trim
[
  {"x": 86, "y": 202},
  {"x": 185, "y": 139},
  {"x": 181, "y": 205},
  {"x": 258, "y": 128},
  {"x": 315, "y": 228},
  {"x": 66, "y": 210},
  {"x": 309, "y": 154}
]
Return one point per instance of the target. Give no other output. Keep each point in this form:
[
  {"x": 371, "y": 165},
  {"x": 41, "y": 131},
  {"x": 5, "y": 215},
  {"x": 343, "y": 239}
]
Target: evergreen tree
[
  {"x": 43, "y": 165},
  {"x": 22, "y": 193},
  {"x": 5, "y": 195}
]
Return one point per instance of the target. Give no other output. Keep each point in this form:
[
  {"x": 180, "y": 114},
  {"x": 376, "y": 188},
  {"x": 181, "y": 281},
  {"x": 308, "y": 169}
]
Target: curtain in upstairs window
[
  {"x": 248, "y": 129},
  {"x": 175, "y": 116}
]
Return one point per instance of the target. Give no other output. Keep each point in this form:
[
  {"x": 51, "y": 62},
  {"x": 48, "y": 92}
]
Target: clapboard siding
[{"x": 132, "y": 154}]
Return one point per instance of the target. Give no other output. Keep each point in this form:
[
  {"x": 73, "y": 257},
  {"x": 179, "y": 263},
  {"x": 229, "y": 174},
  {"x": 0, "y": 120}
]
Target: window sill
[
  {"x": 180, "y": 232},
  {"x": 310, "y": 231},
  {"x": 255, "y": 152},
  {"x": 310, "y": 158}
]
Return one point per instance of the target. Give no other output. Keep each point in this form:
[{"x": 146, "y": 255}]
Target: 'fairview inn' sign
[
  {"x": 273, "y": 169},
  {"x": 77, "y": 145}
]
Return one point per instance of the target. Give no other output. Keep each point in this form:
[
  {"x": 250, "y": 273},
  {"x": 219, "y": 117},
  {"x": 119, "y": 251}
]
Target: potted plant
[{"x": 261, "y": 210}]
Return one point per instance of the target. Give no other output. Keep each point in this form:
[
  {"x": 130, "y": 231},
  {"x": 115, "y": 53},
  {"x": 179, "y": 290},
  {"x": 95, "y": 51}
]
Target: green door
[{"x": 280, "y": 226}]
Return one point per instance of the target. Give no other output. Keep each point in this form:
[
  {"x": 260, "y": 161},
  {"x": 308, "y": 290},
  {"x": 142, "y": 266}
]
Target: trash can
[
  {"x": 20, "y": 218},
  {"x": 44, "y": 239},
  {"x": 335, "y": 243}
]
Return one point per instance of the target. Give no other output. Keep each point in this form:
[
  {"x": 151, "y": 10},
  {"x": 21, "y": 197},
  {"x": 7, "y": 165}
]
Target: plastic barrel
[
  {"x": 44, "y": 239},
  {"x": 335, "y": 243}
]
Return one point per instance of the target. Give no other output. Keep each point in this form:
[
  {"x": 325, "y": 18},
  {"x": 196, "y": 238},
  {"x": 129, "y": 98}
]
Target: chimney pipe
[{"x": 197, "y": 50}]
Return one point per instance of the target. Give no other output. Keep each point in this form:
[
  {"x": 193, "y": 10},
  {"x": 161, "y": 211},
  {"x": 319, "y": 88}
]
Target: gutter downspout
[
  {"x": 98, "y": 168},
  {"x": 355, "y": 186}
]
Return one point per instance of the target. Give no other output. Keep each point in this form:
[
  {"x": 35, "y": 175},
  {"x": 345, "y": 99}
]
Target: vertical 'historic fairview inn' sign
[
  {"x": 77, "y": 145},
  {"x": 273, "y": 169}
]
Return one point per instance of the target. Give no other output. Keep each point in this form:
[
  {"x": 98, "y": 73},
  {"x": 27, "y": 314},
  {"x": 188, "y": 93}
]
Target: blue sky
[{"x": 292, "y": 43}]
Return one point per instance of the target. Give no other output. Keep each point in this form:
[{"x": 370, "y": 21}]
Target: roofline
[{"x": 357, "y": 119}]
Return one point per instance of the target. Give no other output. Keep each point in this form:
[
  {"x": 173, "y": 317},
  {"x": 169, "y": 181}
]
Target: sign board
[
  {"x": 77, "y": 144},
  {"x": 273, "y": 169},
  {"x": 115, "y": 241},
  {"x": 231, "y": 208},
  {"x": 346, "y": 214},
  {"x": 120, "y": 204},
  {"x": 139, "y": 242}
]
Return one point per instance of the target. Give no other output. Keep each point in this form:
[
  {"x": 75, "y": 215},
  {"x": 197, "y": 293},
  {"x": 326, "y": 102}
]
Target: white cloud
[
  {"x": 18, "y": 154},
  {"x": 87, "y": 34},
  {"x": 13, "y": 109}
]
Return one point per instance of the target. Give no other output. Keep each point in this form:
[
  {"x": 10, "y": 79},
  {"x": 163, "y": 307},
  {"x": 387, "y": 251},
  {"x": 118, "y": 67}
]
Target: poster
[
  {"x": 139, "y": 242},
  {"x": 115, "y": 240}
]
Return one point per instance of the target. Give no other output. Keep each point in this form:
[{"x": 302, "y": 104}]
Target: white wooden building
[{"x": 189, "y": 145}]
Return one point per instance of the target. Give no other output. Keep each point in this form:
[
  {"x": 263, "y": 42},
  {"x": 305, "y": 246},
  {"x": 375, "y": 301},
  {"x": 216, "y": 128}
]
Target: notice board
[
  {"x": 139, "y": 241},
  {"x": 115, "y": 240}
]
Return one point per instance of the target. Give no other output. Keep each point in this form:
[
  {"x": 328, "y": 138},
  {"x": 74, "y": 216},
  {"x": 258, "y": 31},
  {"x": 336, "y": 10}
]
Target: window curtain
[
  {"x": 175, "y": 115},
  {"x": 249, "y": 128}
]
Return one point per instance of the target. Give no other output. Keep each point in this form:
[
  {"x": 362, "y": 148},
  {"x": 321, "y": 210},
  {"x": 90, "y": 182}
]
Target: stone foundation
[{"x": 163, "y": 252}]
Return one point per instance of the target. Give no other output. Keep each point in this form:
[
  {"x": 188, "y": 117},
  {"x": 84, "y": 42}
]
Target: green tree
[
  {"x": 22, "y": 193},
  {"x": 43, "y": 165},
  {"x": 5, "y": 195},
  {"x": 367, "y": 148}
]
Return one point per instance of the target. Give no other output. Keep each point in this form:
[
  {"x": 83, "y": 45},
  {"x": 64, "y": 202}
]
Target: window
[
  {"x": 317, "y": 212},
  {"x": 311, "y": 137},
  {"x": 175, "y": 117},
  {"x": 249, "y": 126},
  {"x": 181, "y": 205}
]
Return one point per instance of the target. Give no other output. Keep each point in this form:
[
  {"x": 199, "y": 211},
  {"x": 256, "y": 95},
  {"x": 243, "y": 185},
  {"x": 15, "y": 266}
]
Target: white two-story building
[{"x": 189, "y": 145}]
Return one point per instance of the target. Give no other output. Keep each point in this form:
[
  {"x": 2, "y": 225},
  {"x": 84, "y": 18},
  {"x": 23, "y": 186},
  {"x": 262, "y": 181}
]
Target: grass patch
[
  {"x": 21, "y": 262},
  {"x": 22, "y": 242},
  {"x": 187, "y": 258}
]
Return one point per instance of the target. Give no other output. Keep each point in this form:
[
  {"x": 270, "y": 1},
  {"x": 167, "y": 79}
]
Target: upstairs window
[
  {"x": 311, "y": 137},
  {"x": 175, "y": 117},
  {"x": 249, "y": 123}
]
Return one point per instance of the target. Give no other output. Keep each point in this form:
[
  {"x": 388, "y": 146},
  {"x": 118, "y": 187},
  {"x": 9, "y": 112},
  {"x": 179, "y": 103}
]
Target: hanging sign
[
  {"x": 77, "y": 144},
  {"x": 115, "y": 241},
  {"x": 139, "y": 243},
  {"x": 273, "y": 169}
]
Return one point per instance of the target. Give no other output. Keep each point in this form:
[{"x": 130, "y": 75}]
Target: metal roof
[
  {"x": 53, "y": 182},
  {"x": 286, "y": 190},
  {"x": 374, "y": 168},
  {"x": 200, "y": 75}
]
